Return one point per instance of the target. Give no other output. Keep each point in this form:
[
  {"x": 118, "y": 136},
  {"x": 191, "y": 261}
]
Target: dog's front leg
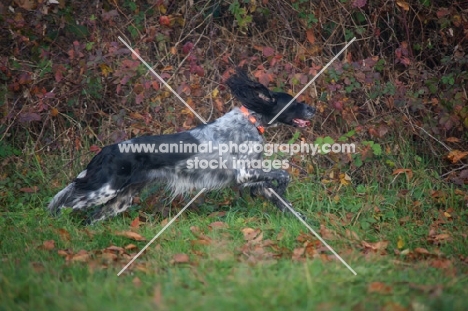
[{"x": 260, "y": 182}]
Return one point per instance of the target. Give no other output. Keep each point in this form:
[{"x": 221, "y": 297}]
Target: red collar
[{"x": 252, "y": 119}]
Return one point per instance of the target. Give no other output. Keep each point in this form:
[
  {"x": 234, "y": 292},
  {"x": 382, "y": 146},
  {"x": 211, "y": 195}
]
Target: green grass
[{"x": 231, "y": 273}]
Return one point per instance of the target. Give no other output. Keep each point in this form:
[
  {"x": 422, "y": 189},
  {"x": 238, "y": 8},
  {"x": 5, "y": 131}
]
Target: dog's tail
[
  {"x": 62, "y": 199},
  {"x": 96, "y": 185}
]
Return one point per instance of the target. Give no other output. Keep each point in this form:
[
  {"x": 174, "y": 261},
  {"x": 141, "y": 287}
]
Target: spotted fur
[{"x": 112, "y": 179}]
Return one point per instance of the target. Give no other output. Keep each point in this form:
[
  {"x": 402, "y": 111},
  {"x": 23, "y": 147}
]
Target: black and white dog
[{"x": 116, "y": 174}]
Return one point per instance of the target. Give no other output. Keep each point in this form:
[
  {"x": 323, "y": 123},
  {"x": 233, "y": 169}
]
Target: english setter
[{"x": 114, "y": 177}]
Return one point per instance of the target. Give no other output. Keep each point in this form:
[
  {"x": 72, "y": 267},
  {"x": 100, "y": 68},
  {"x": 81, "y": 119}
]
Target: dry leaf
[
  {"x": 131, "y": 235},
  {"x": 452, "y": 140},
  {"x": 456, "y": 155},
  {"x": 48, "y": 245},
  {"x": 310, "y": 35},
  {"x": 30, "y": 190},
  {"x": 408, "y": 172},
  {"x": 381, "y": 245},
  {"x": 180, "y": 258},
  {"x": 129, "y": 247},
  {"x": 404, "y": 5},
  {"x": 64, "y": 234},
  {"x": 136, "y": 281},
  {"x": 442, "y": 236},
  {"x": 250, "y": 234},
  {"x": 218, "y": 225},
  {"x": 135, "y": 222},
  {"x": 379, "y": 287},
  {"x": 81, "y": 256}
]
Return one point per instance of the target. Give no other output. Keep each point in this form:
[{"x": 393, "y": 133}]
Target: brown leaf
[
  {"x": 136, "y": 281},
  {"x": 327, "y": 234},
  {"x": 62, "y": 253},
  {"x": 180, "y": 258},
  {"x": 280, "y": 235},
  {"x": 456, "y": 155},
  {"x": 130, "y": 247},
  {"x": 157, "y": 297},
  {"x": 48, "y": 245},
  {"x": 407, "y": 171},
  {"x": 114, "y": 249},
  {"x": 109, "y": 257},
  {"x": 250, "y": 234},
  {"x": 64, "y": 234},
  {"x": 217, "y": 214},
  {"x": 30, "y": 190},
  {"x": 441, "y": 263},
  {"x": 27, "y": 4},
  {"x": 131, "y": 235},
  {"x": 310, "y": 35},
  {"x": 218, "y": 225},
  {"x": 442, "y": 236},
  {"x": 452, "y": 140},
  {"x": 297, "y": 253},
  {"x": 422, "y": 251},
  {"x": 135, "y": 222},
  {"x": 81, "y": 256},
  {"x": 403, "y": 4},
  {"x": 380, "y": 288},
  {"x": 381, "y": 245}
]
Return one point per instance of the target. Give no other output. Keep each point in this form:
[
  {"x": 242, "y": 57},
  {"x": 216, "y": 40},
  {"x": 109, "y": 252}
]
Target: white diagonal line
[
  {"x": 312, "y": 81},
  {"x": 160, "y": 232},
  {"x": 161, "y": 79},
  {"x": 312, "y": 230}
]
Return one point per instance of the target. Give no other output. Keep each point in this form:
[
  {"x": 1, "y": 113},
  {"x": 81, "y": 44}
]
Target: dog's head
[{"x": 268, "y": 104}]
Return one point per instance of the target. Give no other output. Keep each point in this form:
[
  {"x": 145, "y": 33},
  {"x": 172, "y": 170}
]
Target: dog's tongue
[{"x": 301, "y": 123}]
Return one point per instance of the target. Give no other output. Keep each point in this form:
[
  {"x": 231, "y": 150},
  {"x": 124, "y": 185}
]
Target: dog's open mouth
[{"x": 301, "y": 123}]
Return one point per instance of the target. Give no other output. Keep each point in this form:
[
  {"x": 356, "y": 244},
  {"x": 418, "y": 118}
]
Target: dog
[{"x": 114, "y": 177}]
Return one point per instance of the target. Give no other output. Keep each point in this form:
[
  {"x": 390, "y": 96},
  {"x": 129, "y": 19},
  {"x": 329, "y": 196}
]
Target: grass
[{"x": 406, "y": 241}]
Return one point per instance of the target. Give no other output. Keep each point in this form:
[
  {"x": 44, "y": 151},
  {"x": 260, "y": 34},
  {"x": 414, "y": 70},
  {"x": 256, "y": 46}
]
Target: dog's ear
[{"x": 253, "y": 95}]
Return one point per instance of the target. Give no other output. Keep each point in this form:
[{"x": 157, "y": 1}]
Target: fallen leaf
[
  {"x": 421, "y": 251},
  {"x": 131, "y": 235},
  {"x": 379, "y": 287},
  {"x": 456, "y": 155},
  {"x": 129, "y": 247},
  {"x": 64, "y": 234},
  {"x": 297, "y": 253},
  {"x": 310, "y": 35},
  {"x": 157, "y": 297},
  {"x": 403, "y": 4},
  {"x": 81, "y": 256},
  {"x": 180, "y": 258},
  {"x": 62, "y": 253},
  {"x": 452, "y": 140},
  {"x": 135, "y": 222},
  {"x": 406, "y": 171},
  {"x": 381, "y": 245},
  {"x": 114, "y": 249},
  {"x": 400, "y": 243},
  {"x": 250, "y": 234},
  {"x": 48, "y": 245},
  {"x": 136, "y": 281},
  {"x": 280, "y": 235},
  {"x": 30, "y": 190},
  {"x": 442, "y": 236},
  {"x": 218, "y": 225}
]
